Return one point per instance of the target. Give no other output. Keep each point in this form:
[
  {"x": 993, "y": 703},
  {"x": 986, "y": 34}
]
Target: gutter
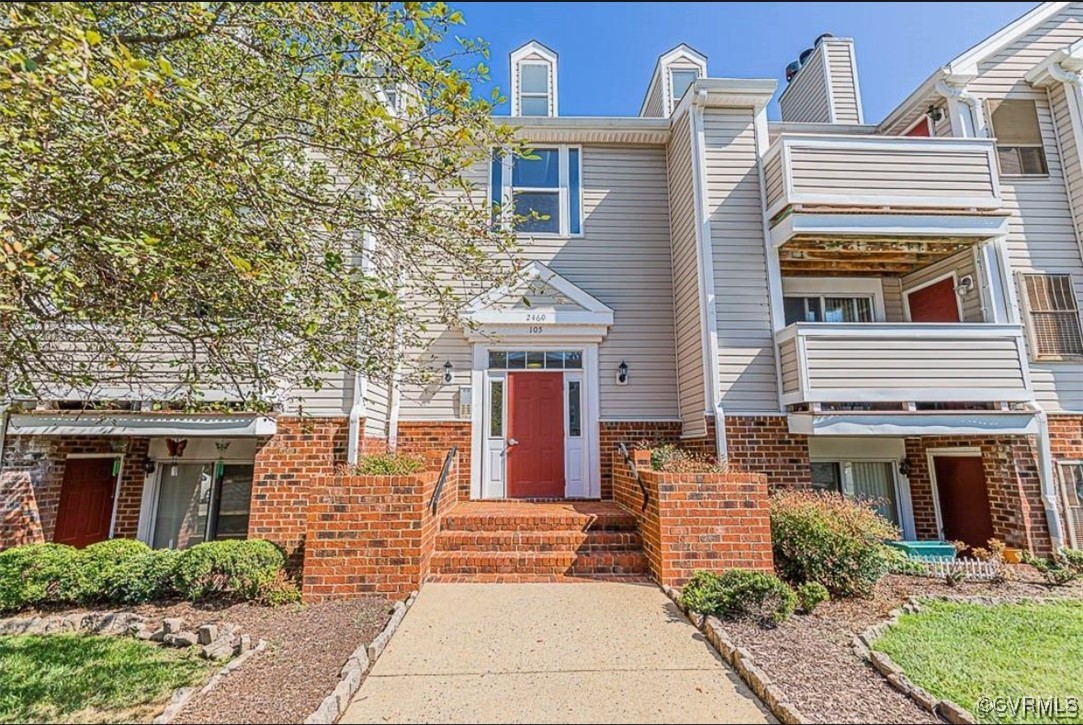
[{"x": 1048, "y": 482}]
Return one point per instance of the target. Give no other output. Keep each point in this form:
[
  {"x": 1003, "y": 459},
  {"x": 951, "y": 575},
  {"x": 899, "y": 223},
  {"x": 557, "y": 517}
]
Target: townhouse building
[{"x": 889, "y": 310}]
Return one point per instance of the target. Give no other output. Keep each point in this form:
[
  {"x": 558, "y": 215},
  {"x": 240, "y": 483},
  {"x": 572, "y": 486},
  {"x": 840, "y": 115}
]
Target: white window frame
[
  {"x": 673, "y": 100},
  {"x": 903, "y": 505},
  {"x": 858, "y": 287},
  {"x": 563, "y": 190},
  {"x": 1075, "y": 537},
  {"x": 1028, "y": 316},
  {"x": 547, "y": 95},
  {"x": 1040, "y": 145}
]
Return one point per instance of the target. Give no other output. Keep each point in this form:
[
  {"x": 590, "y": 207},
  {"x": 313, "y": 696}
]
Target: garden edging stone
[
  {"x": 357, "y": 664},
  {"x": 740, "y": 659},
  {"x": 184, "y": 695}
]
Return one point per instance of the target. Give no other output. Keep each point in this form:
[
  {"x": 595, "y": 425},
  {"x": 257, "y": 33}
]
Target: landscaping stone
[
  {"x": 326, "y": 713},
  {"x": 179, "y": 700},
  {"x": 246, "y": 643},
  {"x": 207, "y": 633},
  {"x": 954, "y": 714},
  {"x": 376, "y": 647},
  {"x": 157, "y": 635},
  {"x": 185, "y": 639},
  {"x": 172, "y": 625}
]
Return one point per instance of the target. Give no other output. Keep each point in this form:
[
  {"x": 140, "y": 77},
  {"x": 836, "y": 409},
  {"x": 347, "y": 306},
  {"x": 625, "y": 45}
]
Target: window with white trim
[
  {"x": 1071, "y": 477},
  {"x": 200, "y": 502},
  {"x": 534, "y": 89},
  {"x": 869, "y": 481},
  {"x": 824, "y": 308},
  {"x": 1052, "y": 316},
  {"x": 1018, "y": 138},
  {"x": 544, "y": 190},
  {"x": 680, "y": 80}
]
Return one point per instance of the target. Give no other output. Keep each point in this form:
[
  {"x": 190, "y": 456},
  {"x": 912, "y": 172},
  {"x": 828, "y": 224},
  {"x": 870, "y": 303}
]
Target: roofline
[
  {"x": 966, "y": 63},
  {"x": 656, "y": 73},
  {"x": 603, "y": 123},
  {"x": 534, "y": 41}
]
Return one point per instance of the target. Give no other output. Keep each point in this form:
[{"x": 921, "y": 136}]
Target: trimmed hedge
[
  {"x": 830, "y": 539},
  {"x": 123, "y": 571},
  {"x": 740, "y": 594},
  {"x": 811, "y": 595}
]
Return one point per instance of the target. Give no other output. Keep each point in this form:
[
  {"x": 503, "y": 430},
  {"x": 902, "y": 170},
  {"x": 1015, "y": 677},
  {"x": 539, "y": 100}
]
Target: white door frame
[
  {"x": 480, "y": 486},
  {"x": 154, "y": 480},
  {"x": 932, "y": 453},
  {"x": 116, "y": 484}
]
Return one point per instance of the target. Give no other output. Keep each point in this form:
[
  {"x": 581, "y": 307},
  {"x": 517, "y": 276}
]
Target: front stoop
[{"x": 489, "y": 541}]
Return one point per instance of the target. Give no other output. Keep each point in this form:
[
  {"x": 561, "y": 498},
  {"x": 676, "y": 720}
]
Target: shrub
[
  {"x": 669, "y": 458},
  {"x": 1057, "y": 569},
  {"x": 278, "y": 590},
  {"x": 898, "y": 562},
  {"x": 99, "y": 564},
  {"x": 830, "y": 539},
  {"x": 811, "y": 595},
  {"x": 238, "y": 568},
  {"x": 740, "y": 594},
  {"x": 37, "y": 574},
  {"x": 386, "y": 464},
  {"x": 1073, "y": 559},
  {"x": 143, "y": 577}
]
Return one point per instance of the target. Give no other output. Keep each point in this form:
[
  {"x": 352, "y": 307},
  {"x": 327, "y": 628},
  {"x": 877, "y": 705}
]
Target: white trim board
[{"x": 930, "y": 455}]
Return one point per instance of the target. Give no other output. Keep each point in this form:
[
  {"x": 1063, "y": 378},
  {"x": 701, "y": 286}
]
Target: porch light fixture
[
  {"x": 622, "y": 373},
  {"x": 448, "y": 370},
  {"x": 935, "y": 114},
  {"x": 965, "y": 286},
  {"x": 149, "y": 465},
  {"x": 904, "y": 466}
]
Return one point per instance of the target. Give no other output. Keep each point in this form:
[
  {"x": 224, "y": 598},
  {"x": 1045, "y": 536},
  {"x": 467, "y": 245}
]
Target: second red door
[{"x": 535, "y": 461}]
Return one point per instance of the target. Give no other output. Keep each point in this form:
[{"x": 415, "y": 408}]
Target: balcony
[
  {"x": 902, "y": 362},
  {"x": 881, "y": 188}
]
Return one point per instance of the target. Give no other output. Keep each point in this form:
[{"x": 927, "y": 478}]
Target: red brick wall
[
  {"x": 1011, "y": 475},
  {"x": 764, "y": 444},
  {"x": 711, "y": 521},
  {"x": 422, "y": 436},
  {"x": 631, "y": 432},
  {"x": 372, "y": 534},
  {"x": 301, "y": 451},
  {"x": 34, "y": 473}
]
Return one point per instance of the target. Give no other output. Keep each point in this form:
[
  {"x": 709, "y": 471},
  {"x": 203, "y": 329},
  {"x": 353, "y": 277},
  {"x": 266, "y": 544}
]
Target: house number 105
[{"x": 535, "y": 329}]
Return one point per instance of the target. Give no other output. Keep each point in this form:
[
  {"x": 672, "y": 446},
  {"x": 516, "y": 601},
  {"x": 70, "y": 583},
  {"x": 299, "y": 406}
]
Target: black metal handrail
[
  {"x": 623, "y": 449},
  {"x": 443, "y": 478}
]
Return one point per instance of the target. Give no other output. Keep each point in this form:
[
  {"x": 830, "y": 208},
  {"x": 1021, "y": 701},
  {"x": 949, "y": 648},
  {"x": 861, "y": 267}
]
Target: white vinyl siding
[
  {"x": 1043, "y": 236},
  {"x": 805, "y": 99},
  {"x": 622, "y": 259},
  {"x": 844, "y": 91},
  {"x": 655, "y": 106},
  {"x": 687, "y": 310},
  {"x": 747, "y": 373}
]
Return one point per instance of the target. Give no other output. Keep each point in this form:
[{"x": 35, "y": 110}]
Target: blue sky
[{"x": 608, "y": 50}]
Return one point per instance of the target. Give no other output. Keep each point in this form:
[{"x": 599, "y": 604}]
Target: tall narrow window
[
  {"x": 680, "y": 81},
  {"x": 1053, "y": 316},
  {"x": 574, "y": 223},
  {"x": 496, "y": 409},
  {"x": 1071, "y": 474},
  {"x": 534, "y": 89},
  {"x": 575, "y": 405},
  {"x": 1018, "y": 138}
]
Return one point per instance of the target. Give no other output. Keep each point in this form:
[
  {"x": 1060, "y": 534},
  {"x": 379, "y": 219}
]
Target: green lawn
[
  {"x": 964, "y": 652},
  {"x": 87, "y": 679}
]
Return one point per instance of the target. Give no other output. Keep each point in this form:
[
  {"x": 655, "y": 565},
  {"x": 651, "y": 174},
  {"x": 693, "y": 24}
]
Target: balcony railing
[
  {"x": 894, "y": 362},
  {"x": 881, "y": 171}
]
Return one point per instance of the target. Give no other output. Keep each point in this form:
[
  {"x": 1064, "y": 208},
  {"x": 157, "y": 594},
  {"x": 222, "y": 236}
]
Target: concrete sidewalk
[{"x": 593, "y": 652}]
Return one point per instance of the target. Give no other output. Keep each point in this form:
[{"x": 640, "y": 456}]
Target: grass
[
  {"x": 88, "y": 679},
  {"x": 965, "y": 652}
]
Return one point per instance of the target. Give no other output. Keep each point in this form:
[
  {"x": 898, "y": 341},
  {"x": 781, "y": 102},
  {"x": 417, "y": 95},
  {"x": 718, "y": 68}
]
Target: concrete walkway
[{"x": 550, "y": 653}]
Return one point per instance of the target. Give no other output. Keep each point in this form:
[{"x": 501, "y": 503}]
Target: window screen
[
  {"x": 1053, "y": 315},
  {"x": 1018, "y": 138}
]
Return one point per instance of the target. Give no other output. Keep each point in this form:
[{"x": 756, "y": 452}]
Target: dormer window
[
  {"x": 533, "y": 81},
  {"x": 680, "y": 80},
  {"x": 534, "y": 89}
]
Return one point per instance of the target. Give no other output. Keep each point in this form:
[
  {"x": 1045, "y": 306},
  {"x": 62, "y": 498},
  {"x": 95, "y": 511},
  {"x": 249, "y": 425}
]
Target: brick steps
[
  {"x": 549, "y": 563},
  {"x": 538, "y": 542}
]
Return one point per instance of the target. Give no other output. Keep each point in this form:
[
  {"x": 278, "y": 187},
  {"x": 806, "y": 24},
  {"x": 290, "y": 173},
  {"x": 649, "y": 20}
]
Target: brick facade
[
  {"x": 1066, "y": 442},
  {"x": 630, "y": 432},
  {"x": 421, "y": 436},
  {"x": 1011, "y": 476},
  {"x": 712, "y": 521},
  {"x": 34, "y": 473},
  {"x": 764, "y": 444},
  {"x": 372, "y": 534}
]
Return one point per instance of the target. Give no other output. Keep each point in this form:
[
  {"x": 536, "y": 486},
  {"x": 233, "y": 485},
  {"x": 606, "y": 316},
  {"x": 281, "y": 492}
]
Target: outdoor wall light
[
  {"x": 622, "y": 373},
  {"x": 149, "y": 465},
  {"x": 904, "y": 466},
  {"x": 935, "y": 114},
  {"x": 448, "y": 370},
  {"x": 965, "y": 286}
]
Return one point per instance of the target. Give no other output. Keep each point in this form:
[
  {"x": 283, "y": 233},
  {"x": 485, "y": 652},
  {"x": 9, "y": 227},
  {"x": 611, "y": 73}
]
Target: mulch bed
[
  {"x": 811, "y": 660},
  {"x": 307, "y": 646}
]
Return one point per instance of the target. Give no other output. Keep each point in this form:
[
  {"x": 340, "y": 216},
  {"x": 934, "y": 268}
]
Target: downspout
[
  {"x": 1048, "y": 482},
  {"x": 5, "y": 416},
  {"x": 357, "y": 414}
]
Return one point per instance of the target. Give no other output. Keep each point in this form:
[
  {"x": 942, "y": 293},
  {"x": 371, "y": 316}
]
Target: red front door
[
  {"x": 934, "y": 303},
  {"x": 86, "y": 502},
  {"x": 964, "y": 499},
  {"x": 535, "y": 435}
]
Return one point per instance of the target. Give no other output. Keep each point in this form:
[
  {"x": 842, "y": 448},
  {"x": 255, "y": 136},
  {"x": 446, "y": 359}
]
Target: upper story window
[
  {"x": 534, "y": 89},
  {"x": 1052, "y": 316},
  {"x": 544, "y": 189},
  {"x": 1018, "y": 137},
  {"x": 827, "y": 309},
  {"x": 680, "y": 80}
]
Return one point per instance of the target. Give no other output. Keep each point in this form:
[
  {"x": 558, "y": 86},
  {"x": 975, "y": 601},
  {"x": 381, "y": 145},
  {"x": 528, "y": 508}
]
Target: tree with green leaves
[{"x": 229, "y": 195}]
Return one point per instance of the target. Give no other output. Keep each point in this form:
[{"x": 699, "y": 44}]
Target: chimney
[{"x": 822, "y": 85}]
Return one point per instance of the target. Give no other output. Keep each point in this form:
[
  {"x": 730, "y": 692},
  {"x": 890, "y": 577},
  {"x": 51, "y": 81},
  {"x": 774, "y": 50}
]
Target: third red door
[
  {"x": 86, "y": 502},
  {"x": 535, "y": 441}
]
